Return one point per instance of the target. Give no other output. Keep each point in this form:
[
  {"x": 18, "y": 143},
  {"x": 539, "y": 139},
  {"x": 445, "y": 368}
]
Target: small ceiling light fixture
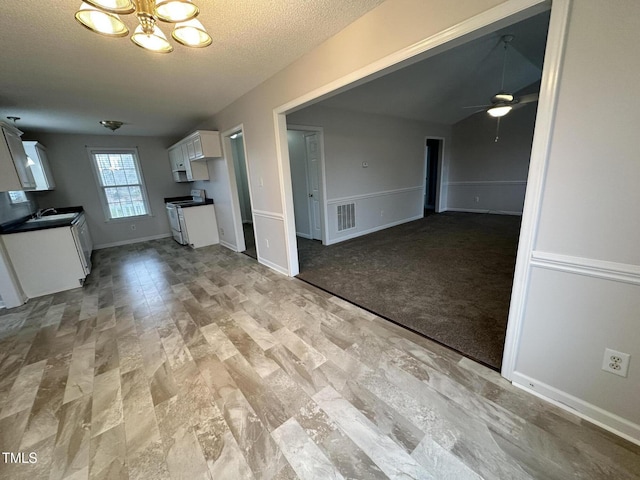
[
  {"x": 112, "y": 125},
  {"x": 102, "y": 16}
]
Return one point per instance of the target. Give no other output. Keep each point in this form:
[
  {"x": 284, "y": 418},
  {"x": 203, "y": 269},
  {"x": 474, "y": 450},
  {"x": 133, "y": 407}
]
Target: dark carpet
[{"x": 447, "y": 276}]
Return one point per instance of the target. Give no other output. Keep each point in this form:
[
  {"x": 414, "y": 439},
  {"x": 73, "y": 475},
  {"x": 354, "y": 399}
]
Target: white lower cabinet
[
  {"x": 45, "y": 261},
  {"x": 199, "y": 225}
]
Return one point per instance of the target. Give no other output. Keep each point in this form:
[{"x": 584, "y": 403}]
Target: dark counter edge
[
  {"x": 207, "y": 201},
  {"x": 19, "y": 225}
]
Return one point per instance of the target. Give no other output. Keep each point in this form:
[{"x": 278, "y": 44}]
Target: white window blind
[{"x": 120, "y": 180}]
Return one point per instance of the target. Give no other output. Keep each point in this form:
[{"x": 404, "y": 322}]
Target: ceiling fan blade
[
  {"x": 477, "y": 106},
  {"x": 532, "y": 97}
]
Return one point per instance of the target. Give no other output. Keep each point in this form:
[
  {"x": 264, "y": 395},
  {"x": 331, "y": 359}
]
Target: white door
[{"x": 313, "y": 184}]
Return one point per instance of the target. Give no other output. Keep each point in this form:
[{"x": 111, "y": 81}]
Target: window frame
[{"x": 92, "y": 152}]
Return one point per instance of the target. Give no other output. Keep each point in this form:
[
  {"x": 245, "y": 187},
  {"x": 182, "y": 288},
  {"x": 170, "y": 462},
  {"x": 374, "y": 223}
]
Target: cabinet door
[
  {"x": 187, "y": 162},
  {"x": 20, "y": 160},
  {"x": 191, "y": 150},
  {"x": 197, "y": 147},
  {"x": 40, "y": 165}
]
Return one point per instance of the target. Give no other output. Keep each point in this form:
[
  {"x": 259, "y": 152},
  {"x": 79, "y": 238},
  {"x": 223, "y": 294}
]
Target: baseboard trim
[
  {"x": 617, "y": 272},
  {"x": 475, "y": 210},
  {"x": 228, "y": 245},
  {"x": 304, "y": 235},
  {"x": 131, "y": 241},
  {"x": 372, "y": 230},
  {"x": 273, "y": 266},
  {"x": 587, "y": 411}
]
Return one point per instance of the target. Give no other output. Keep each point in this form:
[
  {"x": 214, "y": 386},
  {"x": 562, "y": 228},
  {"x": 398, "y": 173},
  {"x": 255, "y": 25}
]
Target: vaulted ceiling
[{"x": 439, "y": 88}]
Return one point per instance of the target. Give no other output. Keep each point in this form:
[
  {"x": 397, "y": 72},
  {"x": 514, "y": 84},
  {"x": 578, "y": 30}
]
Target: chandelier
[{"x": 102, "y": 16}]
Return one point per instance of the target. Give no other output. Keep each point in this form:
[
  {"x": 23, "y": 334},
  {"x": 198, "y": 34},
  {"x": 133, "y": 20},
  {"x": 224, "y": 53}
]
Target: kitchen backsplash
[{"x": 12, "y": 209}]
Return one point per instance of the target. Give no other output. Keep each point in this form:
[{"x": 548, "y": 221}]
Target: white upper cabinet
[
  {"x": 15, "y": 171},
  {"x": 37, "y": 153},
  {"x": 184, "y": 156}
]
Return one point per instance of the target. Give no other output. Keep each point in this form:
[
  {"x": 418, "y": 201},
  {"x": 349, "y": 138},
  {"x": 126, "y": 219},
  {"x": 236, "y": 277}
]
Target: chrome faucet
[{"x": 41, "y": 212}]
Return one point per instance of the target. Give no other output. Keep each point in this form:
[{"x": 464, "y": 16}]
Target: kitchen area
[{"x": 53, "y": 213}]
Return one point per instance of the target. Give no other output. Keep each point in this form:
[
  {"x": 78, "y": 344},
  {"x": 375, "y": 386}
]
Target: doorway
[
  {"x": 432, "y": 166},
  {"x": 246, "y": 241},
  {"x": 307, "y": 166}
]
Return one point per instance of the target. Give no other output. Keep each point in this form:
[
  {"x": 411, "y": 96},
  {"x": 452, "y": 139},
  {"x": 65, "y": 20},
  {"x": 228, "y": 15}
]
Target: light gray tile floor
[{"x": 202, "y": 364}]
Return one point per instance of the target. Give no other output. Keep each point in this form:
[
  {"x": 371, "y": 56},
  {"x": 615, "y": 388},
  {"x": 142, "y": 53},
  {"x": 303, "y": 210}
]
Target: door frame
[
  {"x": 441, "y": 199},
  {"x": 236, "y": 214},
  {"x": 502, "y": 15},
  {"x": 323, "y": 176}
]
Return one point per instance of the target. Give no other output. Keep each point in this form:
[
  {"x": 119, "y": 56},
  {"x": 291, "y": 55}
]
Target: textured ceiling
[
  {"x": 59, "y": 77},
  {"x": 439, "y": 88}
]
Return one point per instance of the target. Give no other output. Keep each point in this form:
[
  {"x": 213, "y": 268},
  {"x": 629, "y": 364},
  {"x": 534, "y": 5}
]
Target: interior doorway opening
[
  {"x": 307, "y": 177},
  {"x": 433, "y": 155},
  {"x": 246, "y": 244}
]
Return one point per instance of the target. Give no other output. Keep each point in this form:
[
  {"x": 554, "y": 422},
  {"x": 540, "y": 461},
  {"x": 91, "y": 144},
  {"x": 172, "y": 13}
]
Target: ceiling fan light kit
[
  {"x": 499, "y": 110},
  {"x": 102, "y": 16}
]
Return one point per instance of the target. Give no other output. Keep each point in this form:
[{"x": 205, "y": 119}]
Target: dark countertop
[
  {"x": 207, "y": 201},
  {"x": 20, "y": 225}
]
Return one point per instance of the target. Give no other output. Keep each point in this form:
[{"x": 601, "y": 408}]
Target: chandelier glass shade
[{"x": 102, "y": 16}]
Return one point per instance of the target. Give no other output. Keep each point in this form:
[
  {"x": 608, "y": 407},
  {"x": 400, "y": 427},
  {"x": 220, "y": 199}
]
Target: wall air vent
[{"x": 346, "y": 216}]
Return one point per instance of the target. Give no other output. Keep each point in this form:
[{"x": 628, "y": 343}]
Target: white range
[{"x": 193, "y": 221}]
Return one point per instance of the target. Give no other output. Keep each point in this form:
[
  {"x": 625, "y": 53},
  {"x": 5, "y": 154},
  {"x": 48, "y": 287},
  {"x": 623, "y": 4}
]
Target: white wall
[
  {"x": 392, "y": 26},
  {"x": 494, "y": 172},
  {"x": 298, "y": 161},
  {"x": 584, "y": 290},
  {"x": 76, "y": 183},
  {"x": 391, "y": 189},
  {"x": 218, "y": 188},
  {"x": 590, "y": 198}
]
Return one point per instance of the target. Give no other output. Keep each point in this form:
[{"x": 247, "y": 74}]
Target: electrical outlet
[
  {"x": 266, "y": 240},
  {"x": 616, "y": 362},
  {"x": 477, "y": 199},
  {"x": 133, "y": 227},
  {"x": 222, "y": 232},
  {"x": 382, "y": 213}
]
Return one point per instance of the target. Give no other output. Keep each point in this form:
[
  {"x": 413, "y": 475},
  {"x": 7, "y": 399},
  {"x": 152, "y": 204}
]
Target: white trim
[
  {"x": 92, "y": 151},
  {"x": 497, "y": 17},
  {"x": 304, "y": 235},
  {"x": 265, "y": 214},
  {"x": 613, "y": 423},
  {"x": 362, "y": 196},
  {"x": 131, "y": 241},
  {"x": 501, "y": 15},
  {"x": 476, "y": 183},
  {"x": 476, "y": 210},
  {"x": 286, "y": 192},
  {"x": 617, "y": 272},
  {"x": 230, "y": 246},
  {"x": 374, "y": 229},
  {"x": 273, "y": 266},
  {"x": 323, "y": 177},
  {"x": 236, "y": 215},
  {"x": 542, "y": 137}
]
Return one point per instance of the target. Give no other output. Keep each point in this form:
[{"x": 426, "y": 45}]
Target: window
[{"x": 120, "y": 180}]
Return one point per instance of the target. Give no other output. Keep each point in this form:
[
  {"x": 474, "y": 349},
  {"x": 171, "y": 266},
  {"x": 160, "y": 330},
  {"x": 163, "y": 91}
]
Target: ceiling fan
[{"x": 503, "y": 102}]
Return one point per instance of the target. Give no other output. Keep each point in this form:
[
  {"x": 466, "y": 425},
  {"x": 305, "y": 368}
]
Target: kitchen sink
[{"x": 52, "y": 218}]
